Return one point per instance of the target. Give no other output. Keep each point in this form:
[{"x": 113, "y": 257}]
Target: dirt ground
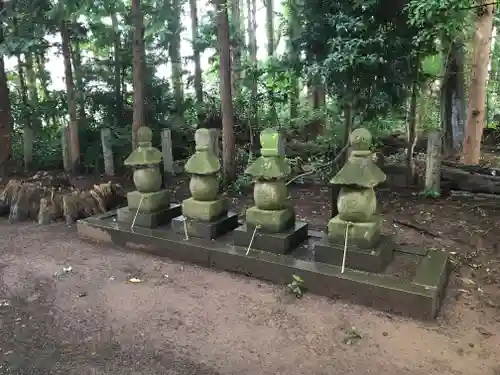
[{"x": 182, "y": 319}]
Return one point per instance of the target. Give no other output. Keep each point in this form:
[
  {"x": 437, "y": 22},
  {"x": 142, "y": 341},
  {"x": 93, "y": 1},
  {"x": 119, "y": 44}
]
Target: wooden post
[
  {"x": 65, "y": 148},
  {"x": 107, "y": 151},
  {"x": 166, "y": 149},
  {"x": 433, "y": 163}
]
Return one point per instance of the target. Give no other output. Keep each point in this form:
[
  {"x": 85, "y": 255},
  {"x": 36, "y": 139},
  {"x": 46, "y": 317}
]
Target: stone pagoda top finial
[
  {"x": 144, "y": 136},
  {"x": 272, "y": 164},
  {"x": 145, "y": 153},
  {"x": 360, "y": 169},
  {"x": 360, "y": 140},
  {"x": 203, "y": 161}
]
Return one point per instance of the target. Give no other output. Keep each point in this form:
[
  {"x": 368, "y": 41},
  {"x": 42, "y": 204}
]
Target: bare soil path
[{"x": 182, "y": 319}]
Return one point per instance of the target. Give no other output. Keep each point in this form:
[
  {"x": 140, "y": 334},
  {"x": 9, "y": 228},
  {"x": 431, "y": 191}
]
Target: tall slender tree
[
  {"x": 198, "y": 84},
  {"x": 228, "y": 138},
  {"x": 71, "y": 98},
  {"x": 477, "y": 89},
  {"x": 6, "y": 121},
  {"x": 138, "y": 67}
]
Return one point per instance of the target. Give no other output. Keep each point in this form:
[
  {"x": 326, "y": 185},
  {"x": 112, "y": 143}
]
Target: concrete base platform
[
  {"x": 279, "y": 243},
  {"x": 205, "y": 229},
  {"x": 418, "y": 294},
  {"x": 148, "y": 219},
  {"x": 369, "y": 260}
]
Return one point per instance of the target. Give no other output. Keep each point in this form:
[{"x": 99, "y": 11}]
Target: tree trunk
[
  {"x": 270, "y": 26},
  {"x": 44, "y": 78},
  {"x": 317, "y": 99},
  {"x": 117, "y": 46},
  {"x": 253, "y": 109},
  {"x": 138, "y": 70},
  {"x": 6, "y": 121},
  {"x": 236, "y": 47},
  {"x": 174, "y": 51},
  {"x": 412, "y": 133},
  {"x": 270, "y": 44},
  {"x": 42, "y": 75},
  {"x": 228, "y": 138},
  {"x": 27, "y": 124},
  {"x": 477, "y": 89},
  {"x": 76, "y": 58},
  {"x": 33, "y": 93},
  {"x": 70, "y": 91},
  {"x": 293, "y": 52},
  {"x": 252, "y": 44},
  {"x": 198, "y": 83},
  {"x": 453, "y": 99}
]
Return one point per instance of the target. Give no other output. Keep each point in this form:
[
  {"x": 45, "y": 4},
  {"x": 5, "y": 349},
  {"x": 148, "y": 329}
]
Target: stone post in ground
[
  {"x": 205, "y": 214},
  {"x": 433, "y": 164},
  {"x": 149, "y": 205},
  {"x": 271, "y": 222},
  {"x": 357, "y": 216},
  {"x": 107, "y": 151},
  {"x": 167, "y": 151}
]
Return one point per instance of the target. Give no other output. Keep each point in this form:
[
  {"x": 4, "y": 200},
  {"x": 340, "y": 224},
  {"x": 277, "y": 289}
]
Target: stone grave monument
[
  {"x": 358, "y": 220},
  {"x": 205, "y": 214},
  {"x": 270, "y": 225},
  {"x": 149, "y": 205},
  {"x": 404, "y": 279}
]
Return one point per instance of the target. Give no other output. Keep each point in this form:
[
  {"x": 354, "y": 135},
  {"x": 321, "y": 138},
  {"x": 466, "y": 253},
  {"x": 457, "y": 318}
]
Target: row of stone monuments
[
  {"x": 356, "y": 229},
  {"x": 351, "y": 259}
]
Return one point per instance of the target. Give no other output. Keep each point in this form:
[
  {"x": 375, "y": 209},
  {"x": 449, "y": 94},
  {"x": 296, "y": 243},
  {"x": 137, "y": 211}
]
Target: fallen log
[{"x": 470, "y": 178}]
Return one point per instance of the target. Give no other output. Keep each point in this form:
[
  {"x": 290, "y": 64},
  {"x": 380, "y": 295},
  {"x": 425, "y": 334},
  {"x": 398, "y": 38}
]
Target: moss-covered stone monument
[
  {"x": 205, "y": 214},
  {"x": 358, "y": 218},
  {"x": 148, "y": 206},
  {"x": 271, "y": 222}
]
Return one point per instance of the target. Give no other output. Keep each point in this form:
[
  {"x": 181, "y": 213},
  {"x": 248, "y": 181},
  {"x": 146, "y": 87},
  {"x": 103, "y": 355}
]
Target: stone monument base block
[
  {"x": 363, "y": 235},
  {"x": 279, "y": 243},
  {"x": 204, "y": 210},
  {"x": 373, "y": 260},
  {"x": 148, "y": 219},
  {"x": 205, "y": 229},
  {"x": 148, "y": 202},
  {"x": 275, "y": 221}
]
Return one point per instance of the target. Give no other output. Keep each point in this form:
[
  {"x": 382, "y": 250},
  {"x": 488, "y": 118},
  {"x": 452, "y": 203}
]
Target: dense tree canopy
[{"x": 325, "y": 63}]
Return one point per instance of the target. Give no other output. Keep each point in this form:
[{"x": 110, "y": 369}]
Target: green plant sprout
[{"x": 296, "y": 286}]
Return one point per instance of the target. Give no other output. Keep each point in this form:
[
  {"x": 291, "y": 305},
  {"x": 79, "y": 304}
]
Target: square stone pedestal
[
  {"x": 204, "y": 210},
  {"x": 373, "y": 259},
  {"x": 148, "y": 202},
  {"x": 148, "y": 219},
  {"x": 205, "y": 229},
  {"x": 362, "y": 235},
  {"x": 275, "y": 221},
  {"x": 279, "y": 243}
]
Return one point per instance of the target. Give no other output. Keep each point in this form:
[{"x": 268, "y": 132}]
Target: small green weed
[{"x": 296, "y": 287}]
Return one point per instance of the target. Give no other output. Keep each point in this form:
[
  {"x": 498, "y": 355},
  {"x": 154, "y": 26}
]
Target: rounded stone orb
[
  {"x": 360, "y": 139},
  {"x": 356, "y": 204},
  {"x": 270, "y": 195},
  {"x": 147, "y": 180},
  {"x": 204, "y": 188}
]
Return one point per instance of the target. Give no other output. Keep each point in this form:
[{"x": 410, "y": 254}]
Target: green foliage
[
  {"x": 296, "y": 287},
  {"x": 438, "y": 19},
  {"x": 364, "y": 51}
]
